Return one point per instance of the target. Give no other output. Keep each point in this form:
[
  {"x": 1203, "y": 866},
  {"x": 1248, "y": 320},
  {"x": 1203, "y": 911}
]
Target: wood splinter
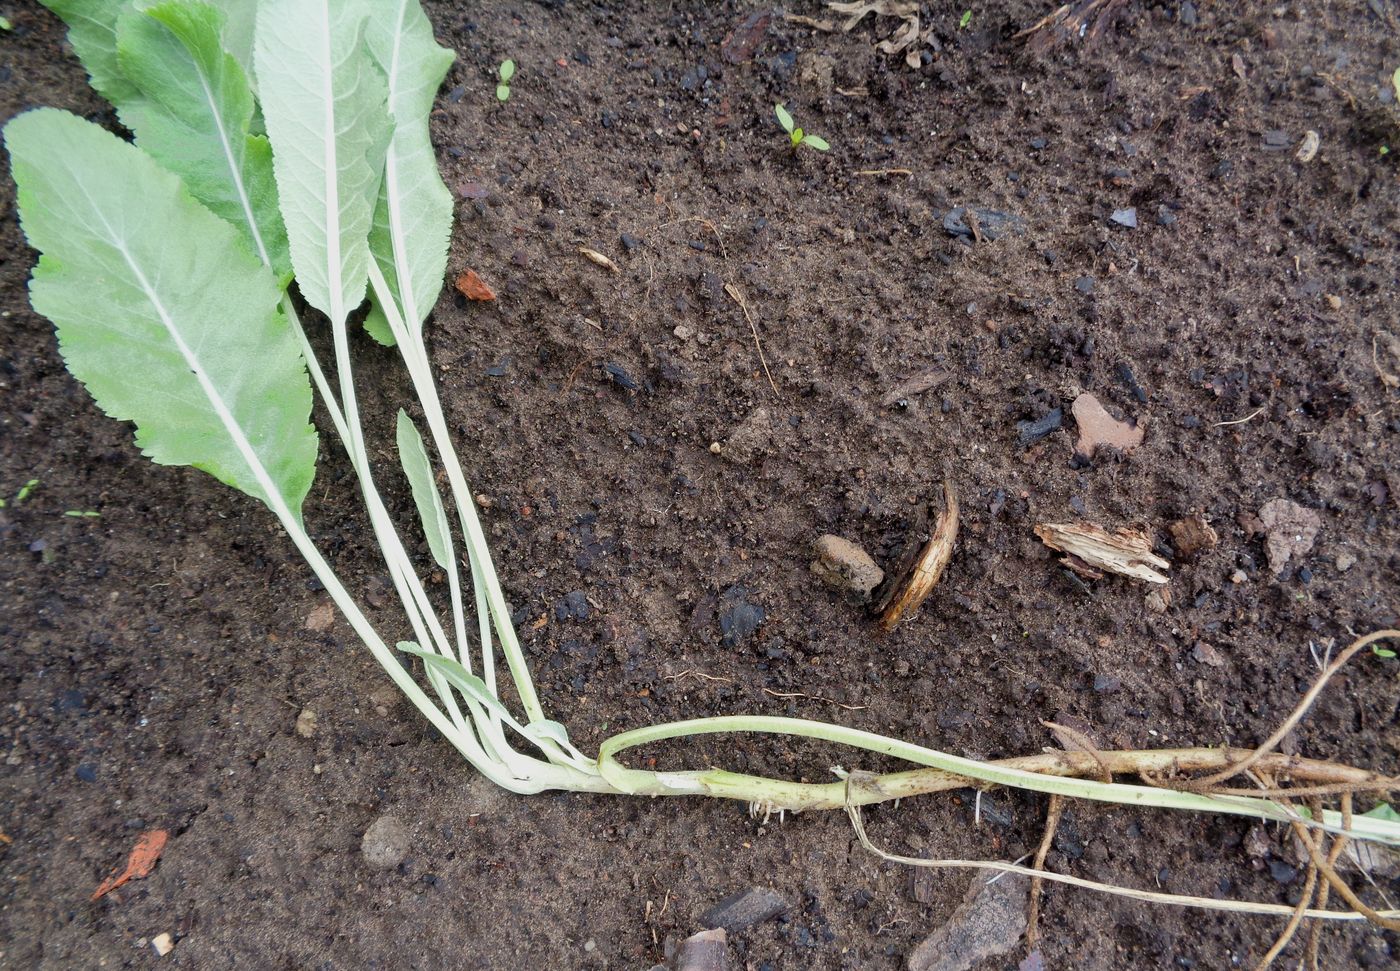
[
  {"x": 1091, "y": 550},
  {"x": 918, "y": 581}
]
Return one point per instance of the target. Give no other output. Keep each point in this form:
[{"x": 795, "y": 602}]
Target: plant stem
[
  {"x": 776, "y": 795},
  {"x": 415, "y": 357}
]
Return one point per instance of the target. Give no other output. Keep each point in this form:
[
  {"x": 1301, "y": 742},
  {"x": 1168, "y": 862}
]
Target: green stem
[{"x": 777, "y": 795}]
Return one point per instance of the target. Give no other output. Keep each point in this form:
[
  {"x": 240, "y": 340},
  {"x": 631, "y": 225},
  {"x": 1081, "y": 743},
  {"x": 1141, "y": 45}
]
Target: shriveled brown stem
[
  {"x": 901, "y": 785},
  {"x": 1294, "y": 922}
]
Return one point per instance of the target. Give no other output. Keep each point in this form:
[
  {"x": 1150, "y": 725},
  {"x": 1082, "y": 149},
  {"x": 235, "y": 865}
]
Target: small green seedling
[
  {"x": 23, "y": 493},
  {"x": 1384, "y": 652},
  {"x": 1395, "y": 82},
  {"x": 964, "y": 20},
  {"x": 796, "y": 135},
  {"x": 82, "y": 513},
  {"x": 505, "y": 72}
]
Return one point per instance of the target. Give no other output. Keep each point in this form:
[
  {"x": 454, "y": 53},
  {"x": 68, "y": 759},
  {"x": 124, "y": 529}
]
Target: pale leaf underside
[
  {"x": 323, "y": 102},
  {"x": 161, "y": 311},
  {"x": 413, "y": 216}
]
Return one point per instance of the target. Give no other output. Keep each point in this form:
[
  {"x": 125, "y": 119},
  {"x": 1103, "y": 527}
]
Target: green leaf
[
  {"x": 414, "y": 458},
  {"x": 198, "y": 110},
  {"x": 92, "y": 30},
  {"x": 815, "y": 141},
  {"x": 503, "y": 92},
  {"x": 507, "y": 71},
  {"x": 161, "y": 310},
  {"x": 324, "y": 103},
  {"x": 784, "y": 118},
  {"x": 413, "y": 217},
  {"x": 377, "y": 324},
  {"x": 1395, "y": 82},
  {"x": 965, "y": 19},
  {"x": 1384, "y": 811}
]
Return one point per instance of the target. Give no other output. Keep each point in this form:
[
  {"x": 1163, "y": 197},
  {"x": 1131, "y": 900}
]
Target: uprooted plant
[{"x": 165, "y": 266}]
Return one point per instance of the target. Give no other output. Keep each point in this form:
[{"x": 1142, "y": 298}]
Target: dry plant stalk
[
  {"x": 1091, "y": 549},
  {"x": 927, "y": 571}
]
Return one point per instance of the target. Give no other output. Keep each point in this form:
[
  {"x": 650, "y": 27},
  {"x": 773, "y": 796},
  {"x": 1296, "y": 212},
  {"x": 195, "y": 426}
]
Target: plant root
[
  {"x": 1052, "y": 823},
  {"x": 1205, "y": 783}
]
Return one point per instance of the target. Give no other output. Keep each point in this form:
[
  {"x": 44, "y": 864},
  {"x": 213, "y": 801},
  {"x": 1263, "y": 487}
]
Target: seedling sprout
[
  {"x": 504, "y": 73},
  {"x": 796, "y": 135}
]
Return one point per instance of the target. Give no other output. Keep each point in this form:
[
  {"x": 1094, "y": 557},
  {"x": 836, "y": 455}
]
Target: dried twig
[
  {"x": 738, "y": 298},
  {"x": 802, "y": 694}
]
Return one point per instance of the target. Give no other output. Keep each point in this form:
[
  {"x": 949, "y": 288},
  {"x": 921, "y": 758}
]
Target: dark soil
[{"x": 155, "y": 658}]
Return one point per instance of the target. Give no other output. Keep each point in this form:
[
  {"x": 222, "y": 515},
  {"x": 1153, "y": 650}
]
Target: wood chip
[
  {"x": 599, "y": 258},
  {"x": 141, "y": 862},
  {"x": 1127, "y": 552},
  {"x": 471, "y": 286},
  {"x": 929, "y": 567},
  {"x": 1307, "y": 151}
]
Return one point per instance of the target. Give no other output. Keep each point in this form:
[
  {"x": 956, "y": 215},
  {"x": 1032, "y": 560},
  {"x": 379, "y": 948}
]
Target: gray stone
[
  {"x": 845, "y": 567},
  {"x": 704, "y": 951},
  {"x": 385, "y": 843},
  {"x": 740, "y": 911},
  {"x": 988, "y": 923}
]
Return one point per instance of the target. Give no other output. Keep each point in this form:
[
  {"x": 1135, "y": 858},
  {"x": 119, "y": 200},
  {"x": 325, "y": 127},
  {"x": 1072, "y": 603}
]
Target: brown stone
[
  {"x": 1097, "y": 427},
  {"x": 1193, "y": 535}
]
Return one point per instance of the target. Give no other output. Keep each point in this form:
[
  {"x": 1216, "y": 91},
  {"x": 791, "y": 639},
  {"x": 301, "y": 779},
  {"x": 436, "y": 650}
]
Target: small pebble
[
  {"x": 1126, "y": 217},
  {"x": 385, "y": 843},
  {"x": 845, "y": 567},
  {"x": 1334, "y": 301},
  {"x": 683, "y": 332},
  {"x": 1307, "y": 151},
  {"x": 162, "y": 944},
  {"x": 1345, "y": 561},
  {"x": 306, "y": 723}
]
